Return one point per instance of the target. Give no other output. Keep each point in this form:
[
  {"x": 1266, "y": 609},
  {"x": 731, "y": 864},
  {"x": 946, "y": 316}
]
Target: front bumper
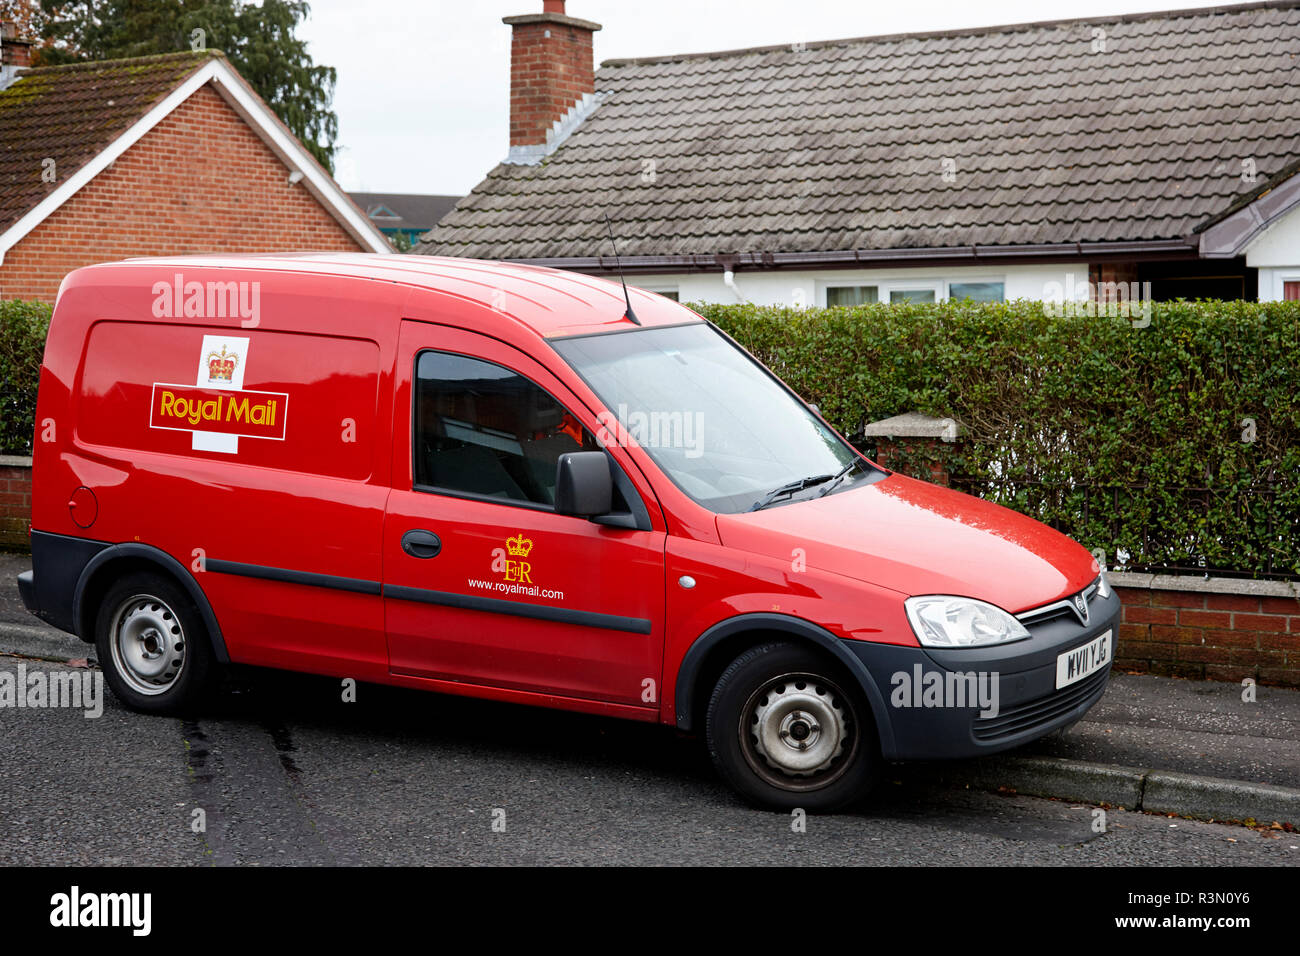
[{"x": 1023, "y": 674}]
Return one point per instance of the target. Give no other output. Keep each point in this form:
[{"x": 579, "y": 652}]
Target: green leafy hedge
[
  {"x": 1136, "y": 440},
  {"x": 1172, "y": 445},
  {"x": 22, "y": 343}
]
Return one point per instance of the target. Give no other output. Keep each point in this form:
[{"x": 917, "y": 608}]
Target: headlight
[
  {"x": 941, "y": 620},
  {"x": 1103, "y": 586}
]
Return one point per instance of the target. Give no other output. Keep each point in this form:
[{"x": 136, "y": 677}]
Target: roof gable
[
  {"x": 1125, "y": 129},
  {"x": 68, "y": 114},
  {"x": 84, "y": 115}
]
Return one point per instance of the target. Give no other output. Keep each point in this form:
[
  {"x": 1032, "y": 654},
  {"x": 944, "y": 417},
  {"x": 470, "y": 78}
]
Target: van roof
[{"x": 551, "y": 302}]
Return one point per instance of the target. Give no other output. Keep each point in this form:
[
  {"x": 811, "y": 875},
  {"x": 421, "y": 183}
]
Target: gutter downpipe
[{"x": 728, "y": 264}]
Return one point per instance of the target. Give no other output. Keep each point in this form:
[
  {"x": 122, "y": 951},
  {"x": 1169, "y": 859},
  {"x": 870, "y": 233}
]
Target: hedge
[
  {"x": 22, "y": 342},
  {"x": 1176, "y": 444},
  {"x": 1172, "y": 445}
]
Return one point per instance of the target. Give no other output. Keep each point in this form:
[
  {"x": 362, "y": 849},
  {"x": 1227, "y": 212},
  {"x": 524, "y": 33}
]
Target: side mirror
[{"x": 583, "y": 486}]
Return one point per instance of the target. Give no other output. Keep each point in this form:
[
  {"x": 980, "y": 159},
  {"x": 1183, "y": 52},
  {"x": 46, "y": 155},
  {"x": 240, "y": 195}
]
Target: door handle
[{"x": 421, "y": 544}]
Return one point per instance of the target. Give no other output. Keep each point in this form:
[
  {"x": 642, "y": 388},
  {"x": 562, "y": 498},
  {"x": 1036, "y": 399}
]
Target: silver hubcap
[
  {"x": 796, "y": 729},
  {"x": 148, "y": 644}
]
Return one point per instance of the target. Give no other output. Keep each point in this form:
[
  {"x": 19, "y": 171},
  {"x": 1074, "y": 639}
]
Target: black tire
[
  {"x": 147, "y": 621},
  {"x": 778, "y": 687}
]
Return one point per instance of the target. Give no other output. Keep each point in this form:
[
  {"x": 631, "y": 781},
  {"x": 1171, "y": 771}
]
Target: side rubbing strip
[
  {"x": 562, "y": 615},
  {"x": 358, "y": 585},
  {"x": 610, "y": 622}
]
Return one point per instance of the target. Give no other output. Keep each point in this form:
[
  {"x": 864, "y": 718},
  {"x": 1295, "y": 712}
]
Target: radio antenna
[{"x": 630, "y": 316}]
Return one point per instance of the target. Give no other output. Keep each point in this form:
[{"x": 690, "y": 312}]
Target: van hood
[{"x": 917, "y": 538}]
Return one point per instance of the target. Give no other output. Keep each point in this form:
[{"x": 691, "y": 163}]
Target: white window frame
[
  {"x": 659, "y": 288},
  {"x": 941, "y": 287},
  {"x": 1281, "y": 276},
  {"x": 923, "y": 285},
  {"x": 825, "y": 285},
  {"x": 964, "y": 280}
]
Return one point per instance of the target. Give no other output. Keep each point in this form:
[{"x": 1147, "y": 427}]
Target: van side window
[{"x": 485, "y": 430}]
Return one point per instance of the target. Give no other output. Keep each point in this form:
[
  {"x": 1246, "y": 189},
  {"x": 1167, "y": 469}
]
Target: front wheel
[
  {"x": 152, "y": 645},
  {"x": 787, "y": 729}
]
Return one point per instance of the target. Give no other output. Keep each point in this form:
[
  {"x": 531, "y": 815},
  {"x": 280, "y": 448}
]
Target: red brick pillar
[{"x": 915, "y": 444}]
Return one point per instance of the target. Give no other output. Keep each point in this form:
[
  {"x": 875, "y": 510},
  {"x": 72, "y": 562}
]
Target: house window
[
  {"x": 1291, "y": 291},
  {"x": 852, "y": 295},
  {"x": 911, "y": 295},
  {"x": 667, "y": 291},
  {"x": 978, "y": 291}
]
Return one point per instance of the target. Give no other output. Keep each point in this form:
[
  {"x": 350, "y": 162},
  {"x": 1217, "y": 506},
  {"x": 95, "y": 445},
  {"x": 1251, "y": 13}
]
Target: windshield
[{"x": 712, "y": 419}]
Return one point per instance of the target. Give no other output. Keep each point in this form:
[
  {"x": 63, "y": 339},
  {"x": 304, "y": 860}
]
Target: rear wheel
[
  {"x": 786, "y": 728},
  {"x": 152, "y": 645}
]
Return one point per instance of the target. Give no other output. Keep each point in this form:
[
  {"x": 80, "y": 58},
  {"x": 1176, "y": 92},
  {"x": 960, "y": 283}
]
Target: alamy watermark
[
  {"x": 208, "y": 300},
  {"x": 1122, "y": 300},
  {"x": 74, "y": 909},
  {"x": 945, "y": 689},
  {"x": 41, "y": 690},
  {"x": 655, "y": 429}
]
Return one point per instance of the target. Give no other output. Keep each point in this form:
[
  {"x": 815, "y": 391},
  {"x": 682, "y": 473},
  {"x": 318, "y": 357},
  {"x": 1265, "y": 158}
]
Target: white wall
[
  {"x": 788, "y": 287},
  {"x": 1276, "y": 254}
]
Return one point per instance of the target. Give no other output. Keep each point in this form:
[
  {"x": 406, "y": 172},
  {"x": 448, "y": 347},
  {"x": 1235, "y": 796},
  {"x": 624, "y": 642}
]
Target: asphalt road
[{"x": 286, "y": 773}]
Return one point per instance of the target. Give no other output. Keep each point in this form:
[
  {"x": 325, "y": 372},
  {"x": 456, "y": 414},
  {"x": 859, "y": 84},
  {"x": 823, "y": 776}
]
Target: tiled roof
[
  {"x": 1133, "y": 128},
  {"x": 408, "y": 210},
  {"x": 70, "y": 114}
]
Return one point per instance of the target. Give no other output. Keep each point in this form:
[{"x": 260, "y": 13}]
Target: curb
[
  {"x": 47, "y": 643},
  {"x": 1212, "y": 798},
  {"x": 1132, "y": 788}
]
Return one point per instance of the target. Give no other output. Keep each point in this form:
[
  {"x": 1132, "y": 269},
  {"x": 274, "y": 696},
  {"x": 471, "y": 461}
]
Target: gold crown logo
[
  {"x": 221, "y": 367},
  {"x": 519, "y": 546}
]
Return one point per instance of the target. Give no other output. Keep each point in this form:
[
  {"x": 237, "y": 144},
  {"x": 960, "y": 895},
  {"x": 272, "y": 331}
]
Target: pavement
[{"x": 1192, "y": 749}]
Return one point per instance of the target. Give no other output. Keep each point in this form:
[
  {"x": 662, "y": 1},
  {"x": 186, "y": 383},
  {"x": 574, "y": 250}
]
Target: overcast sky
[{"x": 423, "y": 85}]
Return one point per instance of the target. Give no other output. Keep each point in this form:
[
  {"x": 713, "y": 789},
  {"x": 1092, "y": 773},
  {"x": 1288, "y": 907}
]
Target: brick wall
[
  {"x": 199, "y": 182},
  {"x": 1215, "y": 629},
  {"x": 15, "y": 501}
]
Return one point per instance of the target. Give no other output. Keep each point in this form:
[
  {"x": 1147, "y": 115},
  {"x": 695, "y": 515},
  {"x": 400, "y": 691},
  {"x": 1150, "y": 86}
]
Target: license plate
[{"x": 1077, "y": 664}]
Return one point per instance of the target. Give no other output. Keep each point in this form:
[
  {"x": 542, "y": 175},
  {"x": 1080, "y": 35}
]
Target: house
[
  {"x": 403, "y": 217},
  {"x": 1028, "y": 161},
  {"x": 154, "y": 155}
]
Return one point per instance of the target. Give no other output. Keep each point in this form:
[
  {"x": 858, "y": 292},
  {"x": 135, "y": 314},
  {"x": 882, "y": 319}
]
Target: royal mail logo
[
  {"x": 515, "y": 573},
  {"x": 223, "y": 360},
  {"x": 237, "y": 412},
  {"x": 222, "y": 365},
  {"x": 508, "y": 560}
]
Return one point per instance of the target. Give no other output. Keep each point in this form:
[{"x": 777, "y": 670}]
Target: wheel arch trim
[
  {"x": 166, "y": 563},
  {"x": 801, "y": 631}
]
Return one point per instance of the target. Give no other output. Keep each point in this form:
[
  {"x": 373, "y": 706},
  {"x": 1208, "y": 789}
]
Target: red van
[{"x": 510, "y": 482}]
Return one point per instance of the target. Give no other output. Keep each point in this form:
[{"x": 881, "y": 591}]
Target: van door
[{"x": 483, "y": 582}]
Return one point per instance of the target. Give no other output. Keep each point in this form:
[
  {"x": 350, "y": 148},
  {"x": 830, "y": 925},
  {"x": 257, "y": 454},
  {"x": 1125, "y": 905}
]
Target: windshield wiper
[
  {"x": 844, "y": 473},
  {"x": 790, "y": 489}
]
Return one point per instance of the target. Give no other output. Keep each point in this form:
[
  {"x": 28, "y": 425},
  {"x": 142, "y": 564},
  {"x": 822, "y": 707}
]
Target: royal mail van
[{"x": 513, "y": 483}]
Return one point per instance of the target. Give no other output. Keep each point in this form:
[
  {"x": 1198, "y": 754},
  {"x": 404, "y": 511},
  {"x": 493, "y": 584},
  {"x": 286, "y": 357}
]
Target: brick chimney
[
  {"x": 15, "y": 53},
  {"x": 552, "y": 78}
]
